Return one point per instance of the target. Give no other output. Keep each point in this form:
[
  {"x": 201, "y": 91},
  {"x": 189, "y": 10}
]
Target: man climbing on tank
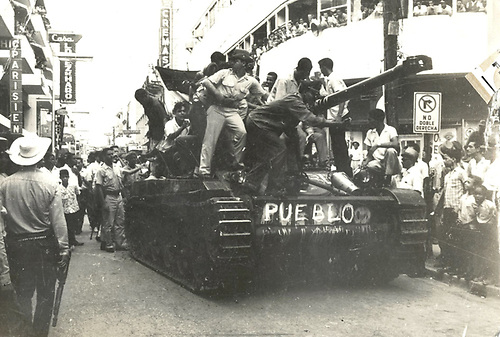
[
  {"x": 229, "y": 87},
  {"x": 266, "y": 151},
  {"x": 383, "y": 147}
]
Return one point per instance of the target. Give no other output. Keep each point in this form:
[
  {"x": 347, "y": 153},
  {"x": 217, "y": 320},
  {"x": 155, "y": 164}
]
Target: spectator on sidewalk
[
  {"x": 449, "y": 203},
  {"x": 109, "y": 187},
  {"x": 69, "y": 196},
  {"x": 485, "y": 265}
]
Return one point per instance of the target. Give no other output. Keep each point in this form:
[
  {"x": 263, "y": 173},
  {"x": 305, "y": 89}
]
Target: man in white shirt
[
  {"x": 478, "y": 165},
  {"x": 410, "y": 177},
  {"x": 337, "y": 134},
  {"x": 383, "y": 145}
]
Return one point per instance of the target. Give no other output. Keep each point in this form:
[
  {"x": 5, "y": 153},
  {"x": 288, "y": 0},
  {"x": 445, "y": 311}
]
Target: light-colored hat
[{"x": 28, "y": 150}]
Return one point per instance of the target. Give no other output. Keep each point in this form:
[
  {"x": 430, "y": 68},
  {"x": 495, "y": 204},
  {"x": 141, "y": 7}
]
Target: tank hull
[{"x": 203, "y": 236}]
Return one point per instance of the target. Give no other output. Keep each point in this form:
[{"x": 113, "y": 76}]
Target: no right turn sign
[{"x": 426, "y": 112}]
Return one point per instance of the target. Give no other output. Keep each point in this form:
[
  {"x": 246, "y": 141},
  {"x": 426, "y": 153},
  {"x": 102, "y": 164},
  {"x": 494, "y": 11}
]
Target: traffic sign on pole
[{"x": 426, "y": 112}]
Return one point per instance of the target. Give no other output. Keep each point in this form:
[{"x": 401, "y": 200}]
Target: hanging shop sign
[
  {"x": 486, "y": 78},
  {"x": 16, "y": 88},
  {"x": 165, "y": 37}
]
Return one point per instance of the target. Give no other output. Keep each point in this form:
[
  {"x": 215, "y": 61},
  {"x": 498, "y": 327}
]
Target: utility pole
[{"x": 391, "y": 15}]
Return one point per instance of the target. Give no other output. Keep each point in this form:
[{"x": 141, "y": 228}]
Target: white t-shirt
[
  {"x": 373, "y": 138},
  {"x": 411, "y": 179},
  {"x": 333, "y": 85},
  {"x": 171, "y": 127}
]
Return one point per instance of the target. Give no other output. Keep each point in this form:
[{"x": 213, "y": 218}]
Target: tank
[{"x": 209, "y": 235}]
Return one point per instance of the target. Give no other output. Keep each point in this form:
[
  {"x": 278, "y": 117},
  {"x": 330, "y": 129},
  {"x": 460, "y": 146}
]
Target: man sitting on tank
[
  {"x": 383, "y": 146},
  {"x": 177, "y": 153},
  {"x": 266, "y": 151}
]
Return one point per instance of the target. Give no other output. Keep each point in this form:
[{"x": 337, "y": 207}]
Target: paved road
[{"x": 110, "y": 294}]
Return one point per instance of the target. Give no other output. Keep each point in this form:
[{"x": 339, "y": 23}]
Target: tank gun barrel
[{"x": 411, "y": 66}]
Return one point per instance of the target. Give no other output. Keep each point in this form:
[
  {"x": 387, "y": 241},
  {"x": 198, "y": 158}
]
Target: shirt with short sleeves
[
  {"x": 232, "y": 86},
  {"x": 69, "y": 200},
  {"x": 108, "y": 179},
  {"x": 373, "y": 138},
  {"x": 282, "y": 88},
  {"x": 333, "y": 85},
  {"x": 171, "y": 127},
  {"x": 454, "y": 187},
  {"x": 34, "y": 205}
]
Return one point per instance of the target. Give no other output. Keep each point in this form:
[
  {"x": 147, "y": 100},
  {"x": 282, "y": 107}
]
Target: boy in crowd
[
  {"x": 70, "y": 204},
  {"x": 486, "y": 247}
]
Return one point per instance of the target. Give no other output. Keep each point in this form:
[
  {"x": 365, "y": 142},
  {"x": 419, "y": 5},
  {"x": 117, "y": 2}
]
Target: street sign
[
  {"x": 131, "y": 132},
  {"x": 426, "y": 112}
]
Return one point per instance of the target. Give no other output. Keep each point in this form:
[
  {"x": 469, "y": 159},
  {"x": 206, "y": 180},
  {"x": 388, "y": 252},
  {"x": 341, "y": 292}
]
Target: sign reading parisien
[
  {"x": 16, "y": 89},
  {"x": 426, "y": 112}
]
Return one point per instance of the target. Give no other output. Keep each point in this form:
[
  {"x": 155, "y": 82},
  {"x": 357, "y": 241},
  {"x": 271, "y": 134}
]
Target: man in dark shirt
[
  {"x": 266, "y": 151},
  {"x": 156, "y": 113}
]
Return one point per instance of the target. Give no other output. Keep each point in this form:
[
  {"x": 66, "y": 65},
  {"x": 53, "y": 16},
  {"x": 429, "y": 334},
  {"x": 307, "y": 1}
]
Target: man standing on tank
[
  {"x": 156, "y": 113},
  {"x": 337, "y": 135},
  {"x": 229, "y": 87},
  {"x": 108, "y": 193}
]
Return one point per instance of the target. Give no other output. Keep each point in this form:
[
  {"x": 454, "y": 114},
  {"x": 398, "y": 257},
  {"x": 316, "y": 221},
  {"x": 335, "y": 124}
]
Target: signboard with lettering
[
  {"x": 67, "y": 84},
  {"x": 165, "y": 37},
  {"x": 67, "y": 92},
  {"x": 426, "y": 112},
  {"x": 16, "y": 88}
]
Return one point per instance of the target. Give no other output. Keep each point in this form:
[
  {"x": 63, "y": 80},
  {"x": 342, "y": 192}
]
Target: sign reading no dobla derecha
[{"x": 426, "y": 112}]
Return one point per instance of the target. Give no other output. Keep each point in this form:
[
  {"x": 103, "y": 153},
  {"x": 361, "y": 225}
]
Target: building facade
[{"x": 278, "y": 33}]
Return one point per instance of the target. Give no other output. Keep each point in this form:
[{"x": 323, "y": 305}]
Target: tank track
[{"x": 210, "y": 252}]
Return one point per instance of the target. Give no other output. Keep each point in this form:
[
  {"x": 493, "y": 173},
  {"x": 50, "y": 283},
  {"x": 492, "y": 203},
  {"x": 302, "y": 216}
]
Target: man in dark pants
[
  {"x": 337, "y": 135},
  {"x": 37, "y": 237},
  {"x": 266, "y": 151}
]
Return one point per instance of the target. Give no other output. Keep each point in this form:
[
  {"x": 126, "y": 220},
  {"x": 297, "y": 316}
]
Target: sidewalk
[{"x": 476, "y": 288}]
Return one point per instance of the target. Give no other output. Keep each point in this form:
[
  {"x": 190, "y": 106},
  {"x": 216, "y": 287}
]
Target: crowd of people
[{"x": 43, "y": 198}]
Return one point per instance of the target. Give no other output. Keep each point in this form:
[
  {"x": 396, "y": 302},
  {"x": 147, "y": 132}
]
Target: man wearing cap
[
  {"x": 108, "y": 192},
  {"x": 229, "y": 87},
  {"x": 37, "y": 237}
]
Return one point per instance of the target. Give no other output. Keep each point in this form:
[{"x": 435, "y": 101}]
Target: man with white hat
[{"x": 37, "y": 236}]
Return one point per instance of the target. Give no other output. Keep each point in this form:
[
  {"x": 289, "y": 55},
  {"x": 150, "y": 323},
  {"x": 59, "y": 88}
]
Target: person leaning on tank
[
  {"x": 382, "y": 143},
  {"x": 266, "y": 150}
]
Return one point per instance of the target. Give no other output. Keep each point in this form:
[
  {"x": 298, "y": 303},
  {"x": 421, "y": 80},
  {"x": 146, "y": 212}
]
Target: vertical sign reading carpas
[
  {"x": 15, "y": 88},
  {"x": 426, "y": 112},
  {"x": 165, "y": 37}
]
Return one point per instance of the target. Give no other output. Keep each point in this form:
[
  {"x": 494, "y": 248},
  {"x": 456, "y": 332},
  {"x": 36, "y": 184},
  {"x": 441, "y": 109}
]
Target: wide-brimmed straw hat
[{"x": 28, "y": 150}]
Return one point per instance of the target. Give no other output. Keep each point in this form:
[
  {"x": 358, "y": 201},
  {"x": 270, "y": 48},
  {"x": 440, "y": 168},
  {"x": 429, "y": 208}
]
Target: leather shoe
[
  {"x": 77, "y": 243},
  {"x": 110, "y": 249}
]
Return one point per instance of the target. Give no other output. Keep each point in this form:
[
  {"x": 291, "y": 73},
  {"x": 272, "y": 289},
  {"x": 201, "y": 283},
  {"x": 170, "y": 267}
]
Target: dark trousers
[
  {"x": 446, "y": 244},
  {"x": 33, "y": 267},
  {"x": 72, "y": 222},
  {"x": 266, "y": 153},
  {"x": 340, "y": 151}
]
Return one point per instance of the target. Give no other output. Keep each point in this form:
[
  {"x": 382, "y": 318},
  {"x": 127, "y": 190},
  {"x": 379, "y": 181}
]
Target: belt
[
  {"x": 115, "y": 193},
  {"x": 30, "y": 236}
]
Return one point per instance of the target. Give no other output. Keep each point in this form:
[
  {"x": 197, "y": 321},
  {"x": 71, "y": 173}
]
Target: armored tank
[{"x": 209, "y": 234}]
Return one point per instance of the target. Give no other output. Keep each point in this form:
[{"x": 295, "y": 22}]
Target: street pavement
[{"x": 111, "y": 294}]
